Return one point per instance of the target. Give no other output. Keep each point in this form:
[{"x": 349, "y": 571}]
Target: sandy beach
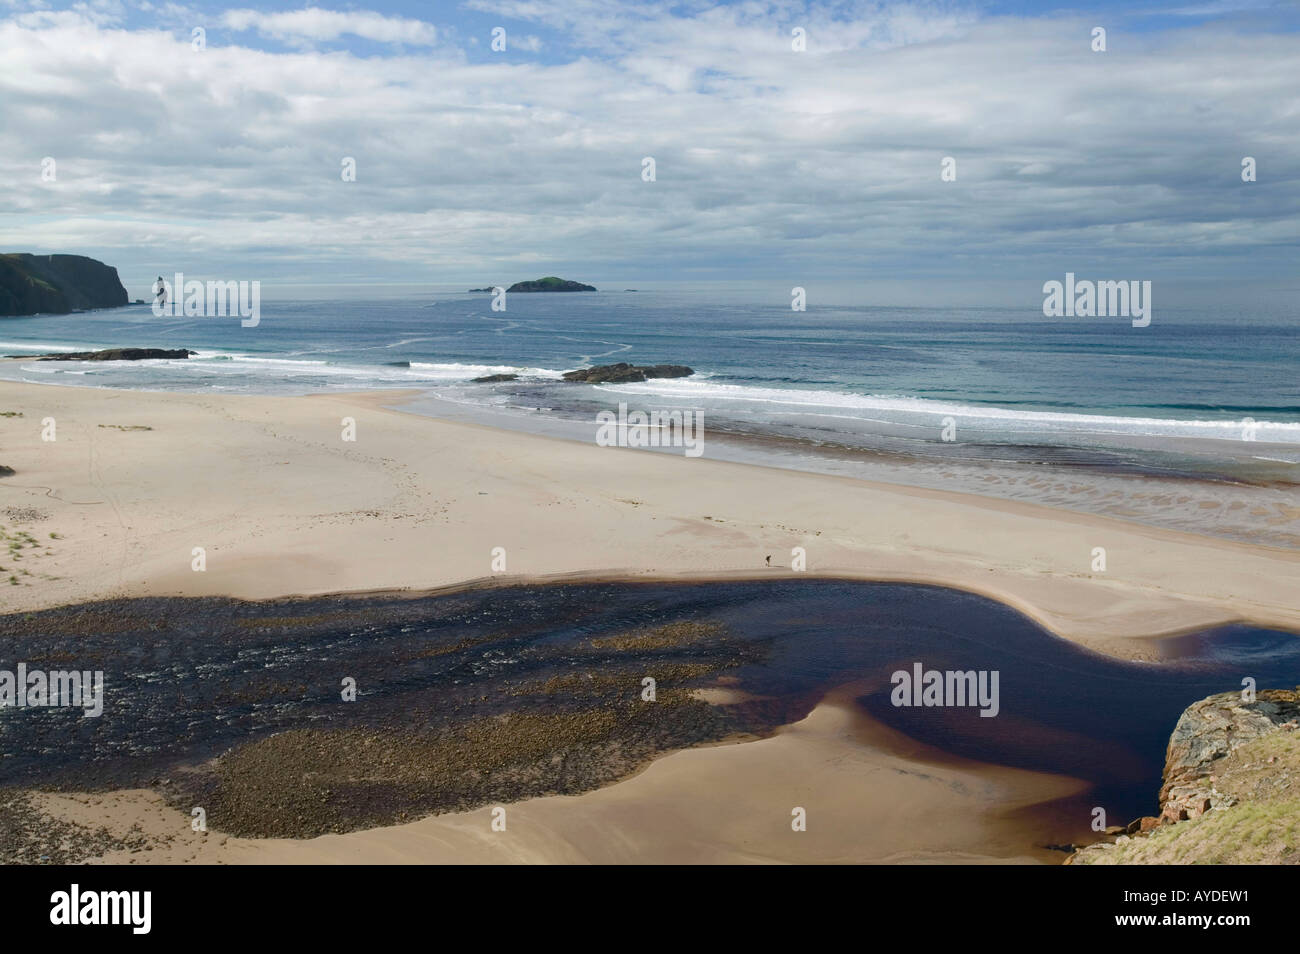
[
  {"x": 722, "y": 804},
  {"x": 281, "y": 504}
]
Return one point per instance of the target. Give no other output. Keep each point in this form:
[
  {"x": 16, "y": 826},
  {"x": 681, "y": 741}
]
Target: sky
[{"x": 213, "y": 139}]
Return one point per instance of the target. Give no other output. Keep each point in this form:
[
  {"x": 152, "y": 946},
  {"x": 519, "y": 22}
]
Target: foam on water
[
  {"x": 905, "y": 409},
  {"x": 1068, "y": 413}
]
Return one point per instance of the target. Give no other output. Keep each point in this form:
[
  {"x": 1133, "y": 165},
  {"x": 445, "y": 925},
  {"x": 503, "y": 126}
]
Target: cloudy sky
[{"x": 223, "y": 158}]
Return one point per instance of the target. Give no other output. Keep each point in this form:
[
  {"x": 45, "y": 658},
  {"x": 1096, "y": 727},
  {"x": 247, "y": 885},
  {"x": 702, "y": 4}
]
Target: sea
[{"x": 1191, "y": 423}]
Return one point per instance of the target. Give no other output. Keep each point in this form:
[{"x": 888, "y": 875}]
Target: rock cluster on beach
[
  {"x": 31, "y": 836},
  {"x": 624, "y": 372},
  {"x": 56, "y": 285},
  {"x": 1227, "y": 787}
]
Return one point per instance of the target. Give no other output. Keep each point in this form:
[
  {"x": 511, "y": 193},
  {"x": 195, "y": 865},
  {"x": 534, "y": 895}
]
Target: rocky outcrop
[
  {"x": 115, "y": 354},
  {"x": 1207, "y": 731},
  {"x": 550, "y": 284},
  {"x": 1225, "y": 756},
  {"x": 56, "y": 285},
  {"x": 495, "y": 378},
  {"x": 624, "y": 372}
]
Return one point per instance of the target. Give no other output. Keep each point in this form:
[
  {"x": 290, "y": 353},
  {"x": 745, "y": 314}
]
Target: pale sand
[
  {"x": 719, "y": 804},
  {"x": 283, "y": 506}
]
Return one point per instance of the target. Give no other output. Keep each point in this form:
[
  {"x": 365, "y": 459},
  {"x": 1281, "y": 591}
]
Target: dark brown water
[{"x": 189, "y": 678}]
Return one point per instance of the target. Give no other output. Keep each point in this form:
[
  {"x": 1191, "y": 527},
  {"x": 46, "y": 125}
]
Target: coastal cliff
[
  {"x": 56, "y": 285},
  {"x": 1227, "y": 796}
]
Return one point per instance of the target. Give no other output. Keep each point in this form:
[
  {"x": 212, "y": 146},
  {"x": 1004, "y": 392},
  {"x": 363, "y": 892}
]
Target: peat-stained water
[{"x": 186, "y": 679}]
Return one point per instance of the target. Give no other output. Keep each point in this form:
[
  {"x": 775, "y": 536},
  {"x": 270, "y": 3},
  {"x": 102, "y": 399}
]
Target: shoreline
[
  {"x": 1029, "y": 556},
  {"x": 284, "y": 508},
  {"x": 1231, "y": 489}
]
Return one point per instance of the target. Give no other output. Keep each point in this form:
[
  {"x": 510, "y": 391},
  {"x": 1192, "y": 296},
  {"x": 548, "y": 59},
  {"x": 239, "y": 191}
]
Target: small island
[{"x": 550, "y": 284}]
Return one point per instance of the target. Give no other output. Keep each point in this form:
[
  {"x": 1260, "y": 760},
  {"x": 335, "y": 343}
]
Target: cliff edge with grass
[{"x": 1231, "y": 792}]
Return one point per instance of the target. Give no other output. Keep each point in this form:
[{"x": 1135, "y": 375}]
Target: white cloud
[
  {"x": 768, "y": 160},
  {"x": 314, "y": 25}
]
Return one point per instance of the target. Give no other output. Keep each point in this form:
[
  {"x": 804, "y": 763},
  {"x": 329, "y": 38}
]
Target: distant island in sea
[
  {"x": 56, "y": 285},
  {"x": 547, "y": 284}
]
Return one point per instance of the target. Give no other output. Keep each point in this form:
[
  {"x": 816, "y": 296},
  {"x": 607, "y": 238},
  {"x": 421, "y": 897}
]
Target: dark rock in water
[
  {"x": 476, "y": 291},
  {"x": 550, "y": 284},
  {"x": 116, "y": 354},
  {"x": 494, "y": 378},
  {"x": 56, "y": 285},
  {"x": 615, "y": 373},
  {"x": 6, "y": 470}
]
